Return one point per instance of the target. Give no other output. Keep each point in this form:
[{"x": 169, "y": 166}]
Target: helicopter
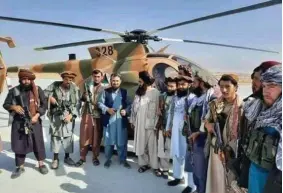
[
  {"x": 129, "y": 53},
  {"x": 3, "y": 73}
]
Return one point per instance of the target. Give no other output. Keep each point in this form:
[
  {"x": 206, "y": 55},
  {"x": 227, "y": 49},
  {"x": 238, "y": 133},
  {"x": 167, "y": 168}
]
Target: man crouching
[{"x": 26, "y": 103}]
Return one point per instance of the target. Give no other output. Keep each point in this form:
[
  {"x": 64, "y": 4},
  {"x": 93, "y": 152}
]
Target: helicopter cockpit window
[
  {"x": 182, "y": 61},
  {"x": 160, "y": 72}
]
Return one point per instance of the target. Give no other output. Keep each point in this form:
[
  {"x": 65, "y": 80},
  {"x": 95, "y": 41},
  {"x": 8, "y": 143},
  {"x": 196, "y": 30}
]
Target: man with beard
[
  {"x": 144, "y": 117},
  {"x": 256, "y": 83},
  {"x": 265, "y": 118},
  {"x": 175, "y": 126},
  {"x": 242, "y": 163},
  {"x": 23, "y": 101},
  {"x": 115, "y": 107},
  {"x": 90, "y": 130},
  {"x": 197, "y": 111},
  {"x": 164, "y": 141},
  {"x": 63, "y": 97},
  {"x": 185, "y": 70}
]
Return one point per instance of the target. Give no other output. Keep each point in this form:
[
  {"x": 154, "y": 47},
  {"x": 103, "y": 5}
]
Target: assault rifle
[
  {"x": 160, "y": 122},
  {"x": 188, "y": 133},
  {"x": 63, "y": 108},
  {"x": 219, "y": 143},
  {"x": 88, "y": 102},
  {"x": 26, "y": 117},
  {"x": 88, "y": 98}
]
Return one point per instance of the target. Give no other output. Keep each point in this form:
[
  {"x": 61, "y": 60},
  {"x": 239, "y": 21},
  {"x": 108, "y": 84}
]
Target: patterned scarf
[
  {"x": 257, "y": 113},
  {"x": 232, "y": 118},
  {"x": 255, "y": 110}
]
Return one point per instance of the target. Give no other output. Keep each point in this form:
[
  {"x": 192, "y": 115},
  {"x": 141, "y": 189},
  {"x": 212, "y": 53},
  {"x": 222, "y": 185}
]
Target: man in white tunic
[
  {"x": 164, "y": 141},
  {"x": 175, "y": 127},
  {"x": 144, "y": 116}
]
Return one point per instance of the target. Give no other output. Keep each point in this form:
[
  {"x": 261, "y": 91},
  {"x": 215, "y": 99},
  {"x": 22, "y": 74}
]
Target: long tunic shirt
[
  {"x": 22, "y": 143},
  {"x": 175, "y": 122},
  {"x": 115, "y": 133},
  {"x": 144, "y": 116},
  {"x": 90, "y": 128},
  {"x": 164, "y": 143}
]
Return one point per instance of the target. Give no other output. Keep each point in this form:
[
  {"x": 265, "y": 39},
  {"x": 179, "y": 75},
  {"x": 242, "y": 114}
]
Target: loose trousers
[
  {"x": 122, "y": 152},
  {"x": 20, "y": 158}
]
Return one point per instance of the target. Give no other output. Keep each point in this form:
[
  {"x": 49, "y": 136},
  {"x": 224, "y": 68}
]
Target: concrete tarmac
[{"x": 86, "y": 179}]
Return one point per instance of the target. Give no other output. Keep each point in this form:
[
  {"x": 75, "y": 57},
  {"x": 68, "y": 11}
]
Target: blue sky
[{"x": 260, "y": 28}]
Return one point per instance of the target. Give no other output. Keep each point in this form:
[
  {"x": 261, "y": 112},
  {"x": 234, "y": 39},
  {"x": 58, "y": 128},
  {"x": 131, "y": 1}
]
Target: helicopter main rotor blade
[
  {"x": 110, "y": 40},
  {"x": 225, "y": 13},
  {"x": 216, "y": 44},
  {"x": 60, "y": 25}
]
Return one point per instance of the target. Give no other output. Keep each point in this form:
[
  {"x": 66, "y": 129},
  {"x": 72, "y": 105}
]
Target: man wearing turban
[
  {"x": 204, "y": 92},
  {"x": 244, "y": 162},
  {"x": 256, "y": 83},
  {"x": 164, "y": 141},
  {"x": 63, "y": 97},
  {"x": 26, "y": 103},
  {"x": 144, "y": 117},
  {"x": 176, "y": 126},
  {"x": 265, "y": 118}
]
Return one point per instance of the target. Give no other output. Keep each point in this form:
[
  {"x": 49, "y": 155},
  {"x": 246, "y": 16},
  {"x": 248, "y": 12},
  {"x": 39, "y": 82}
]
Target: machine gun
[{"x": 26, "y": 117}]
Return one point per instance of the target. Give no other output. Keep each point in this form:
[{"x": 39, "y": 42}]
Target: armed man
[
  {"x": 176, "y": 127},
  {"x": 164, "y": 141},
  {"x": 115, "y": 107},
  {"x": 26, "y": 103},
  {"x": 202, "y": 88},
  {"x": 63, "y": 97},
  {"x": 91, "y": 126},
  {"x": 222, "y": 124}
]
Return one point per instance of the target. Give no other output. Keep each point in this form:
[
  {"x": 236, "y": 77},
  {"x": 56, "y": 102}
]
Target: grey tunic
[{"x": 60, "y": 131}]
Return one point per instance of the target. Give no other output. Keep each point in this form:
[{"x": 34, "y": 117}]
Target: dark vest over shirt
[{"x": 109, "y": 103}]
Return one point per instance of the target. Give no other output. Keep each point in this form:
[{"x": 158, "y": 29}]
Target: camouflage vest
[
  {"x": 261, "y": 148},
  {"x": 57, "y": 94},
  {"x": 195, "y": 118}
]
